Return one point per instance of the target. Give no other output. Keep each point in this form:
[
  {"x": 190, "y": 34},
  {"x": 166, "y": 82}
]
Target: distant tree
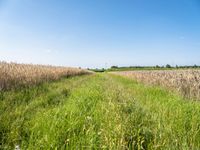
[
  {"x": 157, "y": 66},
  {"x": 176, "y": 66},
  {"x": 168, "y": 66},
  {"x": 195, "y": 66},
  {"x": 114, "y": 67}
]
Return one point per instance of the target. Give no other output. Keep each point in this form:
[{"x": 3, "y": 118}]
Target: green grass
[{"x": 100, "y": 111}]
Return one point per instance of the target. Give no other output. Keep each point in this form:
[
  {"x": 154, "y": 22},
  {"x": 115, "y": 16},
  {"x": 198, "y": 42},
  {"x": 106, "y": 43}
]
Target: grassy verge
[
  {"x": 99, "y": 111},
  {"x": 175, "y": 121}
]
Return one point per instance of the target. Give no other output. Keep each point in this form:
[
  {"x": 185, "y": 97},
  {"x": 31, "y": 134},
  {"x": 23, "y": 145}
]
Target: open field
[
  {"x": 133, "y": 81},
  {"x": 186, "y": 82},
  {"x": 97, "y": 111},
  {"x": 15, "y": 76}
]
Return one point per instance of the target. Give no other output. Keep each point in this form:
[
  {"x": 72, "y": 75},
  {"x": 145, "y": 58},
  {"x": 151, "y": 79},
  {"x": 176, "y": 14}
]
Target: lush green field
[{"x": 100, "y": 111}]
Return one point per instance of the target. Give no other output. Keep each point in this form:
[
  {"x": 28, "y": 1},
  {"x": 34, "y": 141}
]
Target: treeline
[{"x": 157, "y": 67}]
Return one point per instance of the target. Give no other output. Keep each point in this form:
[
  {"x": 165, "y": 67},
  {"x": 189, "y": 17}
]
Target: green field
[{"x": 99, "y": 111}]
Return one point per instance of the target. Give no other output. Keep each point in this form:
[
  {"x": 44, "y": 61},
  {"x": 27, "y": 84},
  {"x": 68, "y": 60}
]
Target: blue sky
[{"x": 99, "y": 33}]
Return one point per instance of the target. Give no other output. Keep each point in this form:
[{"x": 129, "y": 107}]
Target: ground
[{"x": 99, "y": 111}]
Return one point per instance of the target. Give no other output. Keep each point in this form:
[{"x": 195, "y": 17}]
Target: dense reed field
[
  {"x": 15, "y": 76},
  {"x": 99, "y": 111},
  {"x": 186, "y": 82}
]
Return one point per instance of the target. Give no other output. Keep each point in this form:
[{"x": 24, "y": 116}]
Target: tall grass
[
  {"x": 100, "y": 111},
  {"x": 186, "y": 82},
  {"x": 14, "y": 76},
  {"x": 171, "y": 122}
]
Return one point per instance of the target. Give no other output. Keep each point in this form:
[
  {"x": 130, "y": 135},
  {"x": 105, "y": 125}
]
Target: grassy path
[{"x": 100, "y": 111}]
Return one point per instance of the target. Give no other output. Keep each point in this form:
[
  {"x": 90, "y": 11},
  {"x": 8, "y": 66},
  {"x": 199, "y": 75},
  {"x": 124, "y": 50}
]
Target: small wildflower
[
  {"x": 17, "y": 147},
  {"x": 89, "y": 118}
]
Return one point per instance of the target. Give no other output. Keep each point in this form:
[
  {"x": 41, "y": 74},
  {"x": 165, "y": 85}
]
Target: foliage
[
  {"x": 15, "y": 76},
  {"x": 99, "y": 111},
  {"x": 186, "y": 82},
  {"x": 168, "y": 66},
  {"x": 157, "y": 67},
  {"x": 114, "y": 67}
]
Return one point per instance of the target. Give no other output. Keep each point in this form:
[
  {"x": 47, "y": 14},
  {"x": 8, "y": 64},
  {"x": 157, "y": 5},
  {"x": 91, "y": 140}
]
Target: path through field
[{"x": 100, "y": 111}]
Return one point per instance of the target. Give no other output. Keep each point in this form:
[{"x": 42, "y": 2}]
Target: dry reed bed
[
  {"x": 14, "y": 76},
  {"x": 186, "y": 82}
]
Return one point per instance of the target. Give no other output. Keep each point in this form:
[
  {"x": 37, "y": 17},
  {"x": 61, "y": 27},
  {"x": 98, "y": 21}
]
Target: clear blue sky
[{"x": 91, "y": 33}]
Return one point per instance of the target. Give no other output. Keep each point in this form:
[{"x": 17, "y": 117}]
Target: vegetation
[
  {"x": 15, "y": 76},
  {"x": 98, "y": 111},
  {"x": 186, "y": 82},
  {"x": 97, "y": 70},
  {"x": 157, "y": 67}
]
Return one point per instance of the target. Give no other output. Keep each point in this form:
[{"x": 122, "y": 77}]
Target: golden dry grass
[
  {"x": 187, "y": 82},
  {"x": 14, "y": 76}
]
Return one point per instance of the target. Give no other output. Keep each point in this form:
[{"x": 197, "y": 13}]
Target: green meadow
[{"x": 98, "y": 111}]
